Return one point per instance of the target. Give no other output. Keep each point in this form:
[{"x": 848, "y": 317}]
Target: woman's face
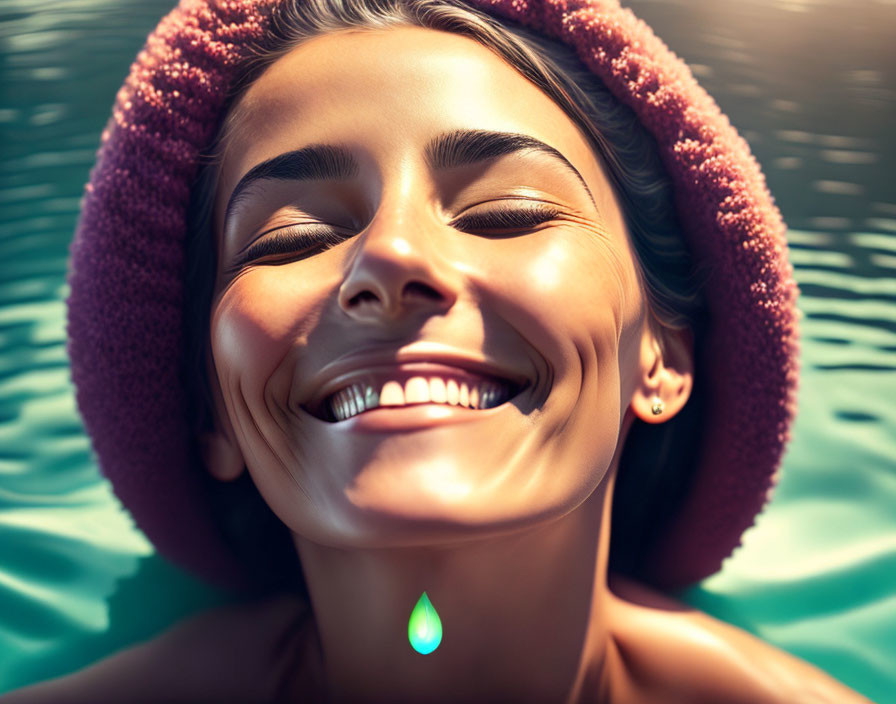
[{"x": 469, "y": 236}]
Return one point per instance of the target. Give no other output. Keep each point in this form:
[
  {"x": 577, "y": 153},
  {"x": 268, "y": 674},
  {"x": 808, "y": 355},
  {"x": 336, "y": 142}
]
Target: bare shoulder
[
  {"x": 672, "y": 652},
  {"x": 258, "y": 652}
]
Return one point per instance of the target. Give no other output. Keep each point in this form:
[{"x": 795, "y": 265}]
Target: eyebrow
[
  {"x": 316, "y": 162},
  {"x": 466, "y": 147},
  {"x": 451, "y": 150}
]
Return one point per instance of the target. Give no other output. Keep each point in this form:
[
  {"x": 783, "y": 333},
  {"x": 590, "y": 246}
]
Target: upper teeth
[{"x": 361, "y": 397}]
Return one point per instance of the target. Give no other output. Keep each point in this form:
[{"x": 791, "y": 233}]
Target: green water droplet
[{"x": 425, "y": 626}]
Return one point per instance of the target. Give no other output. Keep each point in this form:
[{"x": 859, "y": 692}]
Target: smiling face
[{"x": 401, "y": 212}]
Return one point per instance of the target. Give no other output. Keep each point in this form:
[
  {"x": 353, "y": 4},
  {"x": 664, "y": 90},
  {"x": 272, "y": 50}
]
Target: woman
[{"x": 453, "y": 319}]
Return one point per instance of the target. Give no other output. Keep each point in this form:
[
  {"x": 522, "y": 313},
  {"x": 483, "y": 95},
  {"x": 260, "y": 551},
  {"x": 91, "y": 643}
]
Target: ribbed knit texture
[{"x": 126, "y": 305}]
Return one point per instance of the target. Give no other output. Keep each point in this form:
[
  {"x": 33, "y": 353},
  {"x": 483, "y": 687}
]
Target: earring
[{"x": 658, "y": 406}]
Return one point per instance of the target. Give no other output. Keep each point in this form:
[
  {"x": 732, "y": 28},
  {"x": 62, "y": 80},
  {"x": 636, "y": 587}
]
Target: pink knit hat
[{"x": 126, "y": 307}]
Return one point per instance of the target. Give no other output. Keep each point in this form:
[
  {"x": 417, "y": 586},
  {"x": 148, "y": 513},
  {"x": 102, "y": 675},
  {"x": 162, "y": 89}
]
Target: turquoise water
[{"x": 810, "y": 84}]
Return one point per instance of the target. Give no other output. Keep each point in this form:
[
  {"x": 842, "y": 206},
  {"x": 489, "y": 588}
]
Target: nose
[{"x": 397, "y": 273}]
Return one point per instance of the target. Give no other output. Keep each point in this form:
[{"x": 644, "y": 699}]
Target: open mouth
[{"x": 401, "y": 388}]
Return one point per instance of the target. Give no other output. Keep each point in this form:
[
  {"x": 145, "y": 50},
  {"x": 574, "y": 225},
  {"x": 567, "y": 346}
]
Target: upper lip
[{"x": 346, "y": 370}]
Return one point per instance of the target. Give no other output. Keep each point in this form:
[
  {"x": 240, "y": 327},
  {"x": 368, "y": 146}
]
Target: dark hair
[{"x": 658, "y": 460}]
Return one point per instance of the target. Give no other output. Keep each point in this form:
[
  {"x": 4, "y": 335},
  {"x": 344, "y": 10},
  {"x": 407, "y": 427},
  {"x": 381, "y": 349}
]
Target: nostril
[
  {"x": 364, "y": 295},
  {"x": 376, "y": 298},
  {"x": 416, "y": 288}
]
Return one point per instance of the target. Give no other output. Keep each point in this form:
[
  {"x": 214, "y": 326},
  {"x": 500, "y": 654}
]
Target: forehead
[{"x": 385, "y": 94}]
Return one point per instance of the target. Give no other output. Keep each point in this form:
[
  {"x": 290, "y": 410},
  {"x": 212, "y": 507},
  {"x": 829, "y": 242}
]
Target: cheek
[
  {"x": 256, "y": 325},
  {"x": 583, "y": 300},
  {"x": 264, "y": 307},
  {"x": 583, "y": 293},
  {"x": 245, "y": 335}
]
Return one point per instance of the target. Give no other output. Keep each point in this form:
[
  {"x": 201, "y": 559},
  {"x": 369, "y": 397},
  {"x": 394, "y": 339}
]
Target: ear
[
  {"x": 666, "y": 373},
  {"x": 222, "y": 459},
  {"x": 220, "y": 450}
]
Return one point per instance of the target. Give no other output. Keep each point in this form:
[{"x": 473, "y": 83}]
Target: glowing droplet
[{"x": 424, "y": 627}]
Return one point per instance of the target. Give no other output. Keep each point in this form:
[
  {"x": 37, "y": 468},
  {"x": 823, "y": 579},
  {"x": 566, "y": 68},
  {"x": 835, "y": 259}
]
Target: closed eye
[
  {"x": 303, "y": 240},
  {"x": 299, "y": 241},
  {"x": 505, "y": 220}
]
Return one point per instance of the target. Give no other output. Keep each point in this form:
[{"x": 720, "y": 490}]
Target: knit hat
[{"x": 127, "y": 291}]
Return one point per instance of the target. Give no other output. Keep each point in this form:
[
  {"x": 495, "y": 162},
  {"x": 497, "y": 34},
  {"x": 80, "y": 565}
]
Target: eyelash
[
  {"x": 507, "y": 218},
  {"x": 314, "y": 237},
  {"x": 296, "y": 238}
]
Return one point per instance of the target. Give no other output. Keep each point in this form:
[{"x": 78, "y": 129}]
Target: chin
[{"x": 421, "y": 514}]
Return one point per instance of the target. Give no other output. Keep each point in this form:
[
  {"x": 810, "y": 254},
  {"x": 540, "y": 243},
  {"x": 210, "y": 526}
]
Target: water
[{"x": 810, "y": 84}]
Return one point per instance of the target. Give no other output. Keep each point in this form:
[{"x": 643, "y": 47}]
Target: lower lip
[{"x": 423, "y": 415}]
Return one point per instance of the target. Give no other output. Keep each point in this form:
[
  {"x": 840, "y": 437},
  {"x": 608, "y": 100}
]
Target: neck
[{"x": 524, "y": 615}]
